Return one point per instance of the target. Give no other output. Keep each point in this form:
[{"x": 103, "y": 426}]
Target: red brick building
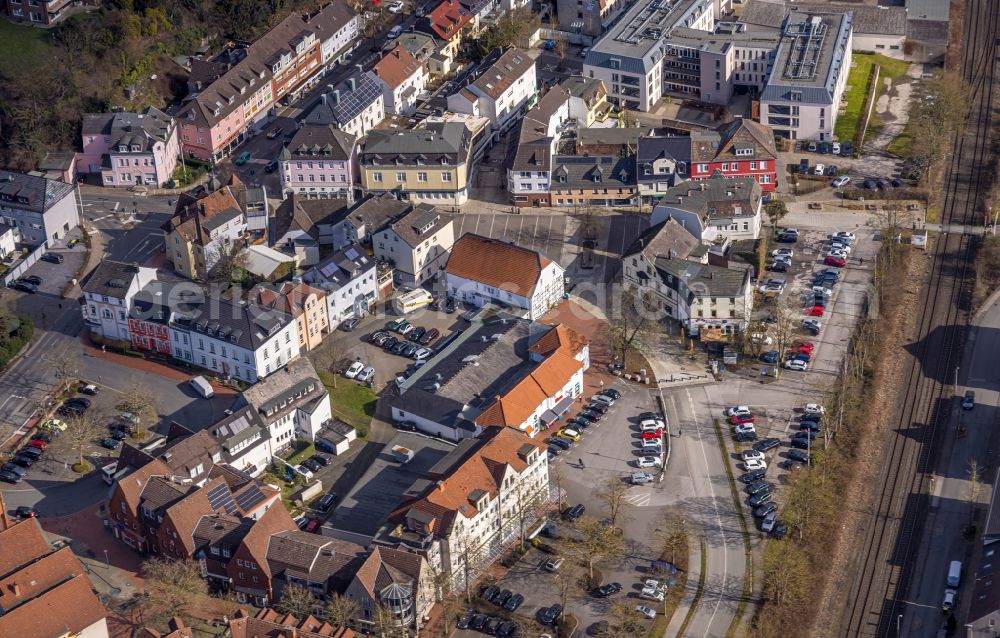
[{"x": 741, "y": 148}]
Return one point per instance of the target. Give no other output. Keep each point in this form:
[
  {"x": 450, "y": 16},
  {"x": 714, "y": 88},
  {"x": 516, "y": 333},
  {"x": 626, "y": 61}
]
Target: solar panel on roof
[
  {"x": 351, "y": 253},
  {"x": 220, "y": 497},
  {"x": 252, "y": 496}
]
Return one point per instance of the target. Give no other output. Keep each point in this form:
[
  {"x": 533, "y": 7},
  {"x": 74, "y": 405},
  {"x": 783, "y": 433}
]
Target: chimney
[
  {"x": 361, "y": 69},
  {"x": 4, "y": 519},
  {"x": 336, "y": 97},
  {"x": 322, "y": 99},
  {"x": 16, "y": 589},
  {"x": 350, "y": 84}
]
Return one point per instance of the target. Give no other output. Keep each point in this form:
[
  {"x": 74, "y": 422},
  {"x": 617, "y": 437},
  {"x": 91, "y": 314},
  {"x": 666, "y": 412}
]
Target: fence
[
  {"x": 23, "y": 265},
  {"x": 566, "y": 36}
]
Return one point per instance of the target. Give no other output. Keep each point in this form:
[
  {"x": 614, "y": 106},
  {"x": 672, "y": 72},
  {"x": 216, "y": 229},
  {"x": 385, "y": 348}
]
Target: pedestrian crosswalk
[{"x": 639, "y": 499}]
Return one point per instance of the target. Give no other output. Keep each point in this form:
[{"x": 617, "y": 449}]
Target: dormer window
[
  {"x": 744, "y": 152},
  {"x": 123, "y": 149},
  {"x": 597, "y": 177}
]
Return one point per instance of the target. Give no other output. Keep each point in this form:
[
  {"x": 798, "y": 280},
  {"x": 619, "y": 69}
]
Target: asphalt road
[{"x": 949, "y": 510}]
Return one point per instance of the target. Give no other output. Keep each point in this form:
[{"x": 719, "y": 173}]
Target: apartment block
[{"x": 130, "y": 149}]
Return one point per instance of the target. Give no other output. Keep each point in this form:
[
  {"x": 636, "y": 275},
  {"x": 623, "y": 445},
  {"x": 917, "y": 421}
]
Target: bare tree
[
  {"x": 81, "y": 430},
  {"x": 596, "y": 542},
  {"x": 975, "y": 488},
  {"x": 340, "y": 611},
  {"x": 297, "y": 601},
  {"x": 613, "y": 494},
  {"x": 672, "y": 532},
  {"x": 527, "y": 508},
  {"x": 568, "y": 579},
  {"x": 171, "y": 586},
  {"x": 622, "y": 622},
  {"x": 451, "y": 609},
  {"x": 556, "y": 478},
  {"x": 328, "y": 356},
  {"x": 628, "y": 319},
  {"x": 470, "y": 555},
  {"x": 65, "y": 363},
  {"x": 385, "y": 622},
  {"x": 138, "y": 401}
]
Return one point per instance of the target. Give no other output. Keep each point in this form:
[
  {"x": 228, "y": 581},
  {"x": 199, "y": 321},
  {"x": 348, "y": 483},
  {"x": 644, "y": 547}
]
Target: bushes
[{"x": 15, "y": 332}]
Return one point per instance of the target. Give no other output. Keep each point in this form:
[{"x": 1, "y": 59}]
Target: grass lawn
[
  {"x": 302, "y": 454},
  {"x": 857, "y": 89},
  {"x": 19, "y": 45},
  {"x": 352, "y": 402}
]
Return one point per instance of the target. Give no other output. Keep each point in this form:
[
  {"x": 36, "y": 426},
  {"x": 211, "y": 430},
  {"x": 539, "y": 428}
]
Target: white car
[
  {"x": 640, "y": 478},
  {"x": 651, "y": 424},
  {"x": 365, "y": 374},
  {"x": 651, "y": 445},
  {"x": 820, "y": 290},
  {"x": 840, "y": 181},
  {"x": 744, "y": 428},
  {"x": 646, "y": 611},
  {"x": 304, "y": 471},
  {"x": 648, "y": 461},
  {"x": 751, "y": 454},
  {"x": 755, "y": 464},
  {"x": 790, "y": 231},
  {"x": 812, "y": 324},
  {"x": 783, "y": 251},
  {"x": 354, "y": 370},
  {"x": 835, "y": 148},
  {"x": 766, "y": 288},
  {"x": 949, "y": 600},
  {"x": 837, "y": 253},
  {"x": 603, "y": 398},
  {"x": 761, "y": 338},
  {"x": 396, "y": 7},
  {"x": 739, "y": 409},
  {"x": 820, "y": 169},
  {"x": 814, "y": 408},
  {"x": 796, "y": 364},
  {"x": 844, "y": 235},
  {"x": 837, "y": 245},
  {"x": 422, "y": 354},
  {"x": 785, "y": 259},
  {"x": 652, "y": 593}
]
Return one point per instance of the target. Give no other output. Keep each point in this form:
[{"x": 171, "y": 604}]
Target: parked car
[
  {"x": 647, "y": 461},
  {"x": 416, "y": 333},
  {"x": 16, "y": 469},
  {"x": 969, "y": 401},
  {"x": 843, "y": 180},
  {"x": 490, "y": 593},
  {"x": 243, "y": 158},
  {"x": 354, "y": 370},
  {"x": 38, "y": 443},
  {"x": 466, "y": 619},
  {"x": 757, "y": 487},
  {"x": 754, "y": 464},
  {"x": 23, "y": 286},
  {"x": 24, "y": 511},
  {"x": 271, "y": 166},
  {"x": 322, "y": 459},
  {"x": 10, "y": 477},
  {"x": 365, "y": 375},
  {"x": 647, "y": 612},
  {"x": 502, "y": 597},
  {"x": 52, "y": 258},
  {"x": 759, "y": 498},
  {"x": 765, "y": 445},
  {"x": 750, "y": 477},
  {"x": 34, "y": 280},
  {"x": 839, "y": 262},
  {"x": 549, "y": 615},
  {"x": 763, "y": 510},
  {"x": 350, "y": 324},
  {"x": 312, "y": 465},
  {"x": 798, "y": 455},
  {"x": 325, "y": 502},
  {"x": 741, "y": 418},
  {"x": 771, "y": 356},
  {"x": 777, "y": 266},
  {"x": 560, "y": 442},
  {"x": 835, "y": 148},
  {"x": 606, "y": 590},
  {"x": 396, "y": 7},
  {"x": 513, "y": 602},
  {"x": 574, "y": 512},
  {"x": 553, "y": 564},
  {"x": 395, "y": 32},
  {"x": 796, "y": 364},
  {"x": 429, "y": 336},
  {"x": 110, "y": 443},
  {"x": 745, "y": 437}
]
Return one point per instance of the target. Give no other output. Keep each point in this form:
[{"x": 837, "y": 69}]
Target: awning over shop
[
  {"x": 548, "y": 417},
  {"x": 563, "y": 406}
]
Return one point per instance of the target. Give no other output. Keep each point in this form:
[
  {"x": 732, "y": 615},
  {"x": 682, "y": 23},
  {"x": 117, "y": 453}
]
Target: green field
[
  {"x": 20, "y": 45},
  {"x": 857, "y": 89},
  {"x": 351, "y": 402}
]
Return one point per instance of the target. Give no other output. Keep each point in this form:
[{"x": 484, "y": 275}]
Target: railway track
[{"x": 885, "y": 560}]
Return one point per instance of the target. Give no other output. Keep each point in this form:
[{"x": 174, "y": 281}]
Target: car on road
[
  {"x": 969, "y": 401},
  {"x": 395, "y": 32},
  {"x": 832, "y": 260},
  {"x": 354, "y": 370},
  {"x": 750, "y": 477},
  {"x": 396, "y": 7},
  {"x": 763, "y": 510},
  {"x": 949, "y": 600},
  {"x": 765, "y": 445},
  {"x": 647, "y": 461},
  {"x": 243, "y": 158},
  {"x": 608, "y": 589}
]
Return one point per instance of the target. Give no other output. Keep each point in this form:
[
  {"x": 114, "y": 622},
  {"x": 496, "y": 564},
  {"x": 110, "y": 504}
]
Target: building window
[
  {"x": 421, "y": 176},
  {"x": 376, "y": 177}
]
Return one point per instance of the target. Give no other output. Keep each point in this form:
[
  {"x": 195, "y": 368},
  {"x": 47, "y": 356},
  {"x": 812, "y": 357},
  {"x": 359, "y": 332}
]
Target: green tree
[{"x": 775, "y": 211}]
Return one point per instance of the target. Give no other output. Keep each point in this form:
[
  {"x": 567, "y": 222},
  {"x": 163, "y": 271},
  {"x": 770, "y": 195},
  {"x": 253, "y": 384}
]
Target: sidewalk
[
  {"x": 145, "y": 365},
  {"x": 690, "y": 589}
]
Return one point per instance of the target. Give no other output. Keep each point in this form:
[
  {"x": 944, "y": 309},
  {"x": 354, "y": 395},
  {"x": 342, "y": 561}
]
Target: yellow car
[
  {"x": 572, "y": 435},
  {"x": 55, "y": 424}
]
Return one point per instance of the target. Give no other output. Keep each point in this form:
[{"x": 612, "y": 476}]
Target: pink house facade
[
  {"x": 130, "y": 149},
  {"x": 319, "y": 163}
]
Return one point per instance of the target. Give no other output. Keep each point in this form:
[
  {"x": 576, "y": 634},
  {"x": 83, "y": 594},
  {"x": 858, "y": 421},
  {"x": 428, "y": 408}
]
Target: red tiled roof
[
  {"x": 448, "y": 18},
  {"x": 396, "y": 66},
  {"x": 560, "y": 336},
  {"x": 71, "y": 606},
  {"x": 496, "y": 263}
]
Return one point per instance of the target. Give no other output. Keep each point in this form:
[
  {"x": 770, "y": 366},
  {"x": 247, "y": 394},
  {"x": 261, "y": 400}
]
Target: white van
[
  {"x": 202, "y": 387},
  {"x": 954, "y": 573}
]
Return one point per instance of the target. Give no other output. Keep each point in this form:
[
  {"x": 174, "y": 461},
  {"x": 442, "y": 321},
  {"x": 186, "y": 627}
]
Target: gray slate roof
[
  {"x": 571, "y": 171},
  {"x": 340, "y": 269},
  {"x": 716, "y": 195},
  {"x": 435, "y": 141},
  {"x": 319, "y": 142},
  {"x": 932, "y": 10},
  {"x": 246, "y": 325},
  {"x": 815, "y": 72},
  {"x": 31, "y": 192},
  {"x": 152, "y": 125},
  {"x": 673, "y": 146},
  {"x": 705, "y": 280},
  {"x": 868, "y": 20},
  {"x": 668, "y": 239},
  {"x": 111, "y": 279},
  {"x": 421, "y": 222}
]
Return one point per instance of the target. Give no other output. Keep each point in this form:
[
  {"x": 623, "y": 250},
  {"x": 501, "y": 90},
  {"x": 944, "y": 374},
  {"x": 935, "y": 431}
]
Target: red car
[
  {"x": 815, "y": 311},
  {"x": 806, "y": 347},
  {"x": 652, "y": 434},
  {"x": 839, "y": 262},
  {"x": 737, "y": 419},
  {"x": 313, "y": 526},
  {"x": 38, "y": 443}
]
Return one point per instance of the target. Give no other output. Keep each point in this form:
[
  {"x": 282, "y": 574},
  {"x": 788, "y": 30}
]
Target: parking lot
[{"x": 55, "y": 277}]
